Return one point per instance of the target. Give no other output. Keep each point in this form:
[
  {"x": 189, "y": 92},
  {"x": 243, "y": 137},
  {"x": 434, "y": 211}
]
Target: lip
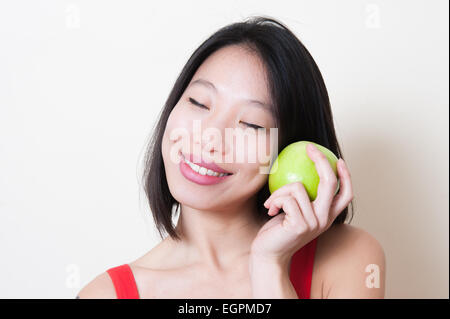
[
  {"x": 197, "y": 178},
  {"x": 212, "y": 166}
]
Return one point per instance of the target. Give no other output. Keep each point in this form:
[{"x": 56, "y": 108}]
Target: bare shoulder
[
  {"x": 345, "y": 238},
  {"x": 101, "y": 287},
  {"x": 351, "y": 262}
]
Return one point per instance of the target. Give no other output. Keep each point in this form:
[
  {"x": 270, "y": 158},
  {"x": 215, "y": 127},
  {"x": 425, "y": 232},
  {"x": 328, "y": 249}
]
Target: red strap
[
  {"x": 124, "y": 282},
  {"x": 301, "y": 269}
]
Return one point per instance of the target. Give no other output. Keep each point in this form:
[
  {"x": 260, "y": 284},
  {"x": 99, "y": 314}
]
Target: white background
[{"x": 82, "y": 83}]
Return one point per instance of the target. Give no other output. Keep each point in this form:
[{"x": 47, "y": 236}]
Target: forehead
[{"x": 236, "y": 73}]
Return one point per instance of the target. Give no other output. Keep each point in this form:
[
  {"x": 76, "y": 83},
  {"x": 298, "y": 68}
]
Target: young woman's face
[{"x": 214, "y": 120}]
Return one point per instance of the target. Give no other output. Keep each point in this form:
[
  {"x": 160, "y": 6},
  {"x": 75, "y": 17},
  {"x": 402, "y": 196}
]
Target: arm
[
  {"x": 352, "y": 266},
  {"x": 302, "y": 220},
  {"x": 270, "y": 280}
]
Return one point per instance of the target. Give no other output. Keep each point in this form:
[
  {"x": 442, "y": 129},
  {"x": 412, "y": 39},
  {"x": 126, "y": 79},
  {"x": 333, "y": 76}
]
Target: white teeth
[
  {"x": 194, "y": 167},
  {"x": 210, "y": 173},
  {"x": 203, "y": 170}
]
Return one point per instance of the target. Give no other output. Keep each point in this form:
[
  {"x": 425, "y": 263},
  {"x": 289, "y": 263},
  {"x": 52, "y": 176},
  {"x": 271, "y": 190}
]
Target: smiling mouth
[{"x": 203, "y": 170}]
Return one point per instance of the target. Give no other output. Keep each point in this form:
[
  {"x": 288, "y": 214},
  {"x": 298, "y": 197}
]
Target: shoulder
[
  {"x": 345, "y": 238},
  {"x": 101, "y": 287},
  {"x": 352, "y": 263}
]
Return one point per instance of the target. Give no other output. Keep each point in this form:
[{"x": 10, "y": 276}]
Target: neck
[{"x": 216, "y": 239}]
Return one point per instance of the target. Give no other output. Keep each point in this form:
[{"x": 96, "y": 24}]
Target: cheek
[
  {"x": 255, "y": 157},
  {"x": 177, "y": 124},
  {"x": 250, "y": 176},
  {"x": 175, "y": 134},
  {"x": 260, "y": 153},
  {"x": 262, "y": 149},
  {"x": 175, "y": 117}
]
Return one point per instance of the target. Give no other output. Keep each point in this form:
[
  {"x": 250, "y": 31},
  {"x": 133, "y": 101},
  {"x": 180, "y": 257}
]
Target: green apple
[{"x": 294, "y": 165}]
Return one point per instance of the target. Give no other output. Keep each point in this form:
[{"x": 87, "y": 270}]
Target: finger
[
  {"x": 289, "y": 205},
  {"x": 328, "y": 180},
  {"x": 276, "y": 204},
  {"x": 302, "y": 197},
  {"x": 282, "y": 191},
  {"x": 345, "y": 195},
  {"x": 298, "y": 191}
]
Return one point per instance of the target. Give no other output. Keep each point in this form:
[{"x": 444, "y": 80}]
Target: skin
[{"x": 222, "y": 241}]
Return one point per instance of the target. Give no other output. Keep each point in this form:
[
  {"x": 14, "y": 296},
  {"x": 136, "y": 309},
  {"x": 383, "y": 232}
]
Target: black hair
[{"x": 300, "y": 98}]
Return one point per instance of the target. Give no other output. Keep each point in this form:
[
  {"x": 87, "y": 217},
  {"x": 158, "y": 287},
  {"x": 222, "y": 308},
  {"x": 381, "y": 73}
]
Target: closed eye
[
  {"x": 253, "y": 126},
  {"x": 192, "y": 101}
]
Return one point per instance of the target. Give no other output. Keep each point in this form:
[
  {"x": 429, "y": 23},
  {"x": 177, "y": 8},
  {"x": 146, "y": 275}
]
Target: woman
[{"x": 234, "y": 239}]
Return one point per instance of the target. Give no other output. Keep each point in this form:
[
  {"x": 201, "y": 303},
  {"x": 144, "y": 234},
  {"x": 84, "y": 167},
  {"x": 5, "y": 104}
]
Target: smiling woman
[{"x": 255, "y": 76}]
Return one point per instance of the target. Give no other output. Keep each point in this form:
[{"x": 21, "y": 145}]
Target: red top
[{"x": 300, "y": 274}]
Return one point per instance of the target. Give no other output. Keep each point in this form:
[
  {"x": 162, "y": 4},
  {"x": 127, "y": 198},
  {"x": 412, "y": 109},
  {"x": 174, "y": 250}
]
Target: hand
[{"x": 302, "y": 220}]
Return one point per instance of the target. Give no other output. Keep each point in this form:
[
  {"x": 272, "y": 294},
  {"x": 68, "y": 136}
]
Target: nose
[
  {"x": 213, "y": 141},
  {"x": 213, "y": 144}
]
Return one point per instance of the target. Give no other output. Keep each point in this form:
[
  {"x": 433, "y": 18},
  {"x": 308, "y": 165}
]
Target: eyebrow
[{"x": 208, "y": 84}]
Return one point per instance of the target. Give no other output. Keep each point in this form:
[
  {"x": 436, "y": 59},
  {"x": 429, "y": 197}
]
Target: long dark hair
[{"x": 302, "y": 105}]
